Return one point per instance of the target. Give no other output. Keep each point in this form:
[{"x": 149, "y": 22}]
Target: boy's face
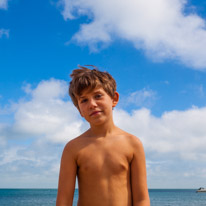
[{"x": 96, "y": 105}]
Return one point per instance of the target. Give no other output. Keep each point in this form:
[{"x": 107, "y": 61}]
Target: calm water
[{"x": 47, "y": 197}]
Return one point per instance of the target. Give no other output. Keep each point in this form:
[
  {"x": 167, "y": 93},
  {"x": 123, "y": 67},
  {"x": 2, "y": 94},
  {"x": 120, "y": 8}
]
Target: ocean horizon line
[{"x": 52, "y": 188}]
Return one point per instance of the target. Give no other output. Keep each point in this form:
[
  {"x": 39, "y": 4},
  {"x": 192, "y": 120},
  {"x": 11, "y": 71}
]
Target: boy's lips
[{"x": 94, "y": 113}]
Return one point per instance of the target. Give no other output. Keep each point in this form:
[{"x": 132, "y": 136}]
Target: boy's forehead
[{"x": 88, "y": 91}]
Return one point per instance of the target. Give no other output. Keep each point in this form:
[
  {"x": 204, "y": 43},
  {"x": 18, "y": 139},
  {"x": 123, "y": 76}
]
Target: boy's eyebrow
[
  {"x": 81, "y": 97},
  {"x": 95, "y": 92}
]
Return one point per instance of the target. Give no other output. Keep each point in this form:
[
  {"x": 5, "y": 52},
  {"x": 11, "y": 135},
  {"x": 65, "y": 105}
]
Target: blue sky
[{"x": 155, "y": 50}]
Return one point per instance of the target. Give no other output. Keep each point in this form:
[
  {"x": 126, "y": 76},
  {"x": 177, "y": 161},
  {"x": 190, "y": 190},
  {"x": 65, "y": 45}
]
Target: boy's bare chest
[{"x": 103, "y": 159}]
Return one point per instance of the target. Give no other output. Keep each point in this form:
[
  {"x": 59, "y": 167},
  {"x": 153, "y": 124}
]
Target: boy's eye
[
  {"x": 97, "y": 96},
  {"x": 83, "y": 100}
]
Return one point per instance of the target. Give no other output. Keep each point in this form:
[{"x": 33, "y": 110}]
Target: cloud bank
[
  {"x": 45, "y": 119},
  {"x": 47, "y": 114},
  {"x": 176, "y": 132},
  {"x": 162, "y": 28}
]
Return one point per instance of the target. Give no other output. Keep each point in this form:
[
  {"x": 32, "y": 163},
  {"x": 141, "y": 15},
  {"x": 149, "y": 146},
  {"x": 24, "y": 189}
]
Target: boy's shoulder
[
  {"x": 131, "y": 139},
  {"x": 76, "y": 143}
]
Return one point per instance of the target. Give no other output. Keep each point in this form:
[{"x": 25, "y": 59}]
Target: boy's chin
[{"x": 97, "y": 122}]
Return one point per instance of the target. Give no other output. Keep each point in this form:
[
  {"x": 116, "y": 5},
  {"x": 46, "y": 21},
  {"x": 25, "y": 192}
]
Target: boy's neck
[{"x": 102, "y": 130}]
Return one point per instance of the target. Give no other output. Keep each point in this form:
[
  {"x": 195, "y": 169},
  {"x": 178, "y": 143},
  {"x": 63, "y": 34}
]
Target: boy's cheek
[{"x": 80, "y": 112}]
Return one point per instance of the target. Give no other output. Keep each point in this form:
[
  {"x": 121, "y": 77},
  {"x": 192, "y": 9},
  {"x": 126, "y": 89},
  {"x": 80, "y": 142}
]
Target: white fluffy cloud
[
  {"x": 181, "y": 133},
  {"x": 3, "y": 4},
  {"x": 31, "y": 145},
  {"x": 30, "y": 165},
  {"x": 161, "y": 28},
  {"x": 47, "y": 114}
]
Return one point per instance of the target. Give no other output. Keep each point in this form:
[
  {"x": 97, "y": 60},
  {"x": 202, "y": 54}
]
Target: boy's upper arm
[
  {"x": 138, "y": 175},
  {"x": 67, "y": 177}
]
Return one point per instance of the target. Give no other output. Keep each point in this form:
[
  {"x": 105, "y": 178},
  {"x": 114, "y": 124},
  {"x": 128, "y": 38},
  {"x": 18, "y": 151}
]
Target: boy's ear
[{"x": 115, "y": 99}]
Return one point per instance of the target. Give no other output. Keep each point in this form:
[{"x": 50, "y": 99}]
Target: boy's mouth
[{"x": 94, "y": 113}]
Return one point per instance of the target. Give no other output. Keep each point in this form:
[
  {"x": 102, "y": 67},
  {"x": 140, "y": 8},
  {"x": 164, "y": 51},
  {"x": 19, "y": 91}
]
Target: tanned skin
[{"x": 109, "y": 163}]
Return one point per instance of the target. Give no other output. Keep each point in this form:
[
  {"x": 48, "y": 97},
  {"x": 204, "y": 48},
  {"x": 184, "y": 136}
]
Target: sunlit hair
[{"x": 89, "y": 79}]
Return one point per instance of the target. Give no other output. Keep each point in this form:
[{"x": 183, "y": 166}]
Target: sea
[{"x": 47, "y": 197}]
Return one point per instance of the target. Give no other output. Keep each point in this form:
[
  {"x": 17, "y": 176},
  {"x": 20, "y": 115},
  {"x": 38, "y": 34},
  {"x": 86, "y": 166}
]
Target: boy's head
[{"x": 89, "y": 79}]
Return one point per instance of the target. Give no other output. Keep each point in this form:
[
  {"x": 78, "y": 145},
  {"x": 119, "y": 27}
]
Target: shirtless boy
[{"x": 108, "y": 162}]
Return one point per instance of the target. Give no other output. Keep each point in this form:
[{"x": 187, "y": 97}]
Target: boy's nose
[{"x": 92, "y": 103}]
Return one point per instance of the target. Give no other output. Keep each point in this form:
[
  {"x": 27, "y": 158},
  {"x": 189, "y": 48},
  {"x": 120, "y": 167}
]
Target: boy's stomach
[{"x": 105, "y": 191}]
